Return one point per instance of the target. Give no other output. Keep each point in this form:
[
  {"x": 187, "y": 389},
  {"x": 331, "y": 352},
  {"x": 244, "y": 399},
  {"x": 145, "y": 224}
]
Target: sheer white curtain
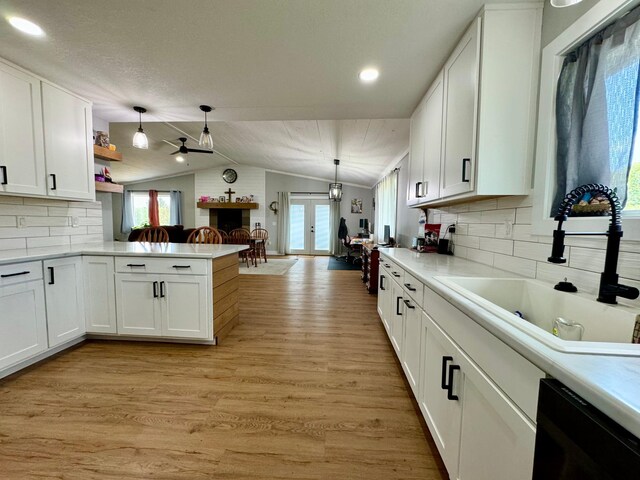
[
  {"x": 283, "y": 223},
  {"x": 386, "y": 204}
]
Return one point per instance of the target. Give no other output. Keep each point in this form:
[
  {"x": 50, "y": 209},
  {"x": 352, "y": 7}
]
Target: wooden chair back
[
  {"x": 224, "y": 235},
  {"x": 203, "y": 235},
  {"x": 260, "y": 233},
  {"x": 154, "y": 235},
  {"x": 240, "y": 236}
]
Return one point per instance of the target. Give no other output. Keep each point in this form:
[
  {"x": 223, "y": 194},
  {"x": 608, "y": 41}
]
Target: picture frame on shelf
[{"x": 222, "y": 199}]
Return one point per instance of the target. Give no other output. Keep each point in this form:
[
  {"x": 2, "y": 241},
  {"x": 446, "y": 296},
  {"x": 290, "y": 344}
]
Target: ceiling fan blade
[
  {"x": 197, "y": 150},
  {"x": 173, "y": 153}
]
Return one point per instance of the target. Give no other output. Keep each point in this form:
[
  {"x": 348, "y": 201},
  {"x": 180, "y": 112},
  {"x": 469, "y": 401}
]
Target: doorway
[{"x": 310, "y": 226}]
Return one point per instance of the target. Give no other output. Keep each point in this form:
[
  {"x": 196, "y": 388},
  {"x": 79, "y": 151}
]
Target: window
[
  {"x": 386, "y": 204},
  {"x": 140, "y": 205}
]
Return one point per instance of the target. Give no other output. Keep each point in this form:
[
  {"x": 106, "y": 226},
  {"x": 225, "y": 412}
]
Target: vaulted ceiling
[{"x": 254, "y": 60}]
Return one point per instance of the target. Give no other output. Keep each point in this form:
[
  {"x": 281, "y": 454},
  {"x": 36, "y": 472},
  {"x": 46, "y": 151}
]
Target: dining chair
[
  {"x": 224, "y": 235},
  {"x": 154, "y": 235},
  {"x": 207, "y": 235},
  {"x": 242, "y": 236},
  {"x": 260, "y": 237}
]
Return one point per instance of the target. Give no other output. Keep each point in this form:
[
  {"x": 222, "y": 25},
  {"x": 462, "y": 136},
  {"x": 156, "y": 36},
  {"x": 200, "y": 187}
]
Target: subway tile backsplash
[
  {"x": 483, "y": 236},
  {"x": 47, "y": 222}
]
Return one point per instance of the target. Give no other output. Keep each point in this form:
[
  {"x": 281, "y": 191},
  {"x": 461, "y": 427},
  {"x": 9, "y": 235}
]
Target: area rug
[
  {"x": 275, "y": 266},
  {"x": 342, "y": 265}
]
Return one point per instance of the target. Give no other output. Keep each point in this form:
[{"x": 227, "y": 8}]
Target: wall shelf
[
  {"x": 106, "y": 154},
  {"x": 242, "y": 206},
  {"x": 109, "y": 187}
]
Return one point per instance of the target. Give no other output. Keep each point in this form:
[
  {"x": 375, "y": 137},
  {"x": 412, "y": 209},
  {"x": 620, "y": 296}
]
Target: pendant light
[
  {"x": 335, "y": 188},
  {"x": 206, "y": 140},
  {"x": 140, "y": 138},
  {"x": 564, "y": 3}
]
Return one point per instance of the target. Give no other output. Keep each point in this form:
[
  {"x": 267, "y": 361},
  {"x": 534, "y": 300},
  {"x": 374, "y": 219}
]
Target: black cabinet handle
[
  {"x": 133, "y": 265},
  {"x": 398, "y": 312},
  {"x": 182, "y": 266},
  {"x": 155, "y": 289},
  {"x": 5, "y": 179},
  {"x": 409, "y": 287},
  {"x": 382, "y": 282},
  {"x": 418, "y": 189},
  {"x": 54, "y": 186},
  {"x": 7, "y": 275},
  {"x": 395, "y": 274},
  {"x": 443, "y": 380},
  {"x": 52, "y": 276},
  {"x": 161, "y": 289},
  {"x": 465, "y": 161},
  {"x": 408, "y": 304},
  {"x": 450, "y": 395},
  {"x": 387, "y": 265}
]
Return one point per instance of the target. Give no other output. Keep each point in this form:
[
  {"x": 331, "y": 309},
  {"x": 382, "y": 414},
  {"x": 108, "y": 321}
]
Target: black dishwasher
[{"x": 575, "y": 441}]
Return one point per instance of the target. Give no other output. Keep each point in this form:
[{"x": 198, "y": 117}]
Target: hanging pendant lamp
[
  {"x": 335, "y": 188},
  {"x": 140, "y": 138},
  {"x": 206, "y": 140}
]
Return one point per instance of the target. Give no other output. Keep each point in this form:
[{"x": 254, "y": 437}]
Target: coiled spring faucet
[{"x": 609, "y": 286}]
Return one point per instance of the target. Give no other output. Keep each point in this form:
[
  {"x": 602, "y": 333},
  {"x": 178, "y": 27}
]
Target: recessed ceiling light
[
  {"x": 180, "y": 159},
  {"x": 26, "y": 26},
  {"x": 369, "y": 75}
]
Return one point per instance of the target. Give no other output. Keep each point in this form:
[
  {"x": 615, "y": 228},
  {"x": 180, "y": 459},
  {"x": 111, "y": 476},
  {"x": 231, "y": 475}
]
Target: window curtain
[
  {"x": 283, "y": 223},
  {"x": 597, "y": 110},
  {"x": 175, "y": 213},
  {"x": 334, "y": 223},
  {"x": 386, "y": 204},
  {"x": 154, "y": 215},
  {"x": 127, "y": 212}
]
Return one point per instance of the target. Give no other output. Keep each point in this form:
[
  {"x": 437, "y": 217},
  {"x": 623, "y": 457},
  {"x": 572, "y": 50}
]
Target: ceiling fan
[{"x": 184, "y": 149}]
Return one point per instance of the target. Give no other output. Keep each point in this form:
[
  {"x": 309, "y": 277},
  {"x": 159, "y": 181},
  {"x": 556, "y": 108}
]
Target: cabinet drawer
[
  {"x": 20, "y": 272},
  {"x": 177, "y": 266},
  {"x": 413, "y": 287},
  {"x": 393, "y": 270}
]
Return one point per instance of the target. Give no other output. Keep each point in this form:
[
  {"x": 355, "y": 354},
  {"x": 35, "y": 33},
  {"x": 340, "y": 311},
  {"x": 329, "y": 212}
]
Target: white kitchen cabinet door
[
  {"x": 416, "y": 155},
  {"x": 497, "y": 440},
  {"x": 411, "y": 344},
  {"x": 432, "y": 121},
  {"x": 65, "y": 299},
  {"x": 22, "y": 169},
  {"x": 442, "y": 414},
  {"x": 68, "y": 144},
  {"x": 184, "y": 306},
  {"x": 397, "y": 317},
  {"x": 460, "y": 115},
  {"x": 384, "y": 299},
  {"x": 99, "y": 294},
  {"x": 138, "y": 304},
  {"x": 23, "y": 322}
]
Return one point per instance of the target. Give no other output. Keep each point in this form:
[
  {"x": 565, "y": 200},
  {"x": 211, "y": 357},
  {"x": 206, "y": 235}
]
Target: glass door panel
[
  {"x": 297, "y": 227},
  {"x": 310, "y": 227},
  {"x": 321, "y": 229}
]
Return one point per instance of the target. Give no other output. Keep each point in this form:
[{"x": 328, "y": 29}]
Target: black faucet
[{"x": 609, "y": 286}]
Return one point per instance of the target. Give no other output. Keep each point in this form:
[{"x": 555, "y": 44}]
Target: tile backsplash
[
  {"x": 46, "y": 222},
  {"x": 482, "y": 236}
]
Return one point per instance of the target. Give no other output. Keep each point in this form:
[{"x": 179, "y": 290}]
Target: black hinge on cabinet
[
  {"x": 465, "y": 161},
  {"x": 54, "y": 186},
  {"x": 52, "y": 277},
  {"x": 5, "y": 179}
]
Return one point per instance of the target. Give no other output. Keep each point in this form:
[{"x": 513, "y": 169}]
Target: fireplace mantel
[{"x": 238, "y": 205}]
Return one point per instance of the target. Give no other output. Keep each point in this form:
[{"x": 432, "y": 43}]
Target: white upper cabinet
[
  {"x": 416, "y": 155},
  {"x": 487, "y": 119},
  {"x": 22, "y": 168},
  {"x": 68, "y": 144}
]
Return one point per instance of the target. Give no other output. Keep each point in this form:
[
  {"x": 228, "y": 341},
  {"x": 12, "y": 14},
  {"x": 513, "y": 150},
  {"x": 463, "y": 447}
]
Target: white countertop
[
  {"x": 182, "y": 250},
  {"x": 611, "y": 383}
]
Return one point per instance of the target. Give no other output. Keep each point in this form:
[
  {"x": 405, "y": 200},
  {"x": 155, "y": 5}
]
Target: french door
[{"x": 310, "y": 227}]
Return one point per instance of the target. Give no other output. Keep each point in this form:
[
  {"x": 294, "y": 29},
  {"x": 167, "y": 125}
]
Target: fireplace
[{"x": 228, "y": 219}]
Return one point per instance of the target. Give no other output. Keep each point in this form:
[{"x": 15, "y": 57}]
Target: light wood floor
[{"x": 306, "y": 387}]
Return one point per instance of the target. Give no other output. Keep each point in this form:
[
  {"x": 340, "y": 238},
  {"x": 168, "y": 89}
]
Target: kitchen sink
[{"x": 607, "y": 329}]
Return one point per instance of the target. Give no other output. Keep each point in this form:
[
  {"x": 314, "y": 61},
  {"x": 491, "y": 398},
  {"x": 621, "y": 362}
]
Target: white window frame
[
  {"x": 146, "y": 196},
  {"x": 601, "y": 14}
]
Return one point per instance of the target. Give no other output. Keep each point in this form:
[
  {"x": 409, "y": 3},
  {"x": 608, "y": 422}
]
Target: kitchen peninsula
[{"x": 54, "y": 297}]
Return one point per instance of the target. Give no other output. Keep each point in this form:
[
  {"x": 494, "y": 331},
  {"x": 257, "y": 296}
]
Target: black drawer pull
[
  {"x": 182, "y": 266},
  {"x": 398, "y": 312},
  {"x": 382, "y": 282},
  {"x": 54, "y": 186},
  {"x": 5, "y": 179},
  {"x": 450, "y": 394},
  {"x": 387, "y": 265},
  {"x": 408, "y": 304},
  {"x": 155, "y": 289},
  {"x": 132, "y": 265},
  {"x": 409, "y": 287},
  {"x": 7, "y": 275},
  {"x": 395, "y": 274},
  {"x": 443, "y": 380},
  {"x": 161, "y": 289},
  {"x": 52, "y": 277}
]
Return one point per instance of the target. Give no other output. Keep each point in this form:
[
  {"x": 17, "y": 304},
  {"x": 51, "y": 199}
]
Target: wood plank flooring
[{"x": 306, "y": 387}]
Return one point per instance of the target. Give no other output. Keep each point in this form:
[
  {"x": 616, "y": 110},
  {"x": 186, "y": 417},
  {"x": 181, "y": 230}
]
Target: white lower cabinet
[
  {"x": 99, "y": 294},
  {"x": 64, "y": 299},
  {"x": 396, "y": 322},
  {"x": 384, "y": 299},
  {"x": 411, "y": 344},
  {"x": 23, "y": 321},
  {"x": 162, "y": 305}
]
